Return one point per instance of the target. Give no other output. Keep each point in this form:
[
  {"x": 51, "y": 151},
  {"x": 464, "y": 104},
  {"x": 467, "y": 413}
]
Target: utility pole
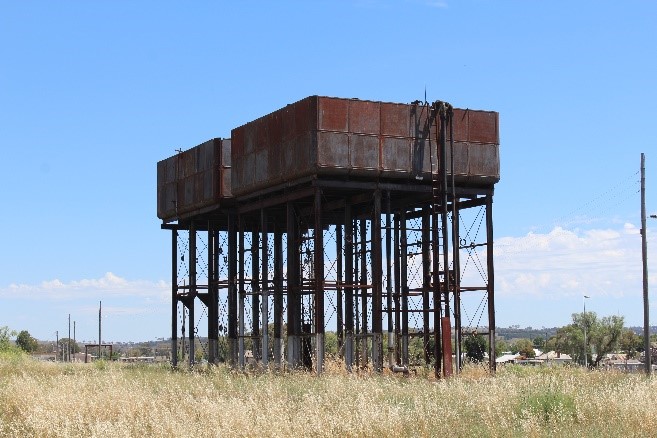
[
  {"x": 74, "y": 341},
  {"x": 586, "y": 357},
  {"x": 100, "y": 313},
  {"x": 68, "y": 341},
  {"x": 57, "y": 345},
  {"x": 644, "y": 256}
]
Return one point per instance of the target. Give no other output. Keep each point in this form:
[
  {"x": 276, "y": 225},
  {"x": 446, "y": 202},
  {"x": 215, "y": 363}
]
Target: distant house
[
  {"x": 507, "y": 358},
  {"x": 620, "y": 362},
  {"x": 554, "y": 358}
]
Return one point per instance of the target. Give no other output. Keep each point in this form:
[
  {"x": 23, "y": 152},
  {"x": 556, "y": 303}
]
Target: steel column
[
  {"x": 397, "y": 297},
  {"x": 255, "y": 294},
  {"x": 491, "y": 283},
  {"x": 339, "y": 290},
  {"x": 391, "y": 335},
  {"x": 191, "y": 297},
  {"x": 213, "y": 294},
  {"x": 426, "y": 282},
  {"x": 349, "y": 286},
  {"x": 174, "y": 298},
  {"x": 436, "y": 291},
  {"x": 404, "y": 287},
  {"x": 265, "y": 288},
  {"x": 293, "y": 308},
  {"x": 278, "y": 297},
  {"x": 377, "y": 286},
  {"x": 456, "y": 262},
  {"x": 319, "y": 284},
  {"x": 232, "y": 291},
  {"x": 242, "y": 294},
  {"x": 363, "y": 292}
]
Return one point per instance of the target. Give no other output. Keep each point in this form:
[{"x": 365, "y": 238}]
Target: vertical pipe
[
  {"x": 192, "y": 291},
  {"x": 391, "y": 335},
  {"x": 174, "y": 298},
  {"x": 339, "y": 289},
  {"x": 242, "y": 294},
  {"x": 349, "y": 286},
  {"x": 491, "y": 283},
  {"x": 404, "y": 287},
  {"x": 363, "y": 291},
  {"x": 292, "y": 288},
  {"x": 278, "y": 297},
  {"x": 426, "y": 282},
  {"x": 232, "y": 290},
  {"x": 265, "y": 288},
  {"x": 377, "y": 285},
  {"x": 397, "y": 297},
  {"x": 255, "y": 292},
  {"x": 447, "y": 349},
  {"x": 644, "y": 258},
  {"x": 319, "y": 283}
]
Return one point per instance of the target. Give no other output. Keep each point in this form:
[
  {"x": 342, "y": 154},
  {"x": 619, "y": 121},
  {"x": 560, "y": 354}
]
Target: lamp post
[{"x": 586, "y": 360}]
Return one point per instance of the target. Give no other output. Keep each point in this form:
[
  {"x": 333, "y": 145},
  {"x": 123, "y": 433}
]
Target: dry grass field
[{"x": 107, "y": 399}]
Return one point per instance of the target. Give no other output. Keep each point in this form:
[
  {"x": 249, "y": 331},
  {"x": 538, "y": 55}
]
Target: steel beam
[
  {"x": 213, "y": 294},
  {"x": 377, "y": 286}
]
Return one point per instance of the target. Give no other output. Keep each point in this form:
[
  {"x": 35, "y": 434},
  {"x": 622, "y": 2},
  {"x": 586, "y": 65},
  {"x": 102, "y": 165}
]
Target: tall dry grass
[{"x": 106, "y": 399}]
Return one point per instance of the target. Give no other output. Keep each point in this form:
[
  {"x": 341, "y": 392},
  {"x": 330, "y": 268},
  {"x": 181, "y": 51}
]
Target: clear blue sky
[{"x": 93, "y": 94}]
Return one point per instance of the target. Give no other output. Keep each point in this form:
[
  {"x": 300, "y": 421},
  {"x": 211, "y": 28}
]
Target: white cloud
[
  {"x": 109, "y": 285},
  {"x": 564, "y": 263}
]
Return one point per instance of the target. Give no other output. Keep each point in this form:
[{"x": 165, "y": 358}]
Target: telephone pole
[{"x": 644, "y": 256}]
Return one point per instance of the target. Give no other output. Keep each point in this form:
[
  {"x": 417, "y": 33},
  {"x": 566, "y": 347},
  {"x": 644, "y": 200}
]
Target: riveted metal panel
[
  {"x": 482, "y": 127},
  {"x": 386, "y": 140},
  {"x": 333, "y": 114},
  {"x": 396, "y": 156},
  {"x": 395, "y": 120},
  {"x": 364, "y": 117},
  {"x": 192, "y": 179},
  {"x": 484, "y": 160},
  {"x": 333, "y": 150},
  {"x": 364, "y": 152}
]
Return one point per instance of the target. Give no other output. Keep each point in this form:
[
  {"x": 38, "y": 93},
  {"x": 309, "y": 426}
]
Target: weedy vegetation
[{"x": 110, "y": 399}]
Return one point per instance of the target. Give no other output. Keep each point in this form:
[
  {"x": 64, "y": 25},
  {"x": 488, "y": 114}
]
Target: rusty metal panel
[
  {"x": 333, "y": 114},
  {"x": 484, "y": 160},
  {"x": 330, "y": 136},
  {"x": 482, "y": 127},
  {"x": 460, "y": 159},
  {"x": 333, "y": 150},
  {"x": 395, "y": 120},
  {"x": 364, "y": 117},
  {"x": 192, "y": 179},
  {"x": 424, "y": 156},
  {"x": 364, "y": 152},
  {"x": 460, "y": 125},
  {"x": 396, "y": 156}
]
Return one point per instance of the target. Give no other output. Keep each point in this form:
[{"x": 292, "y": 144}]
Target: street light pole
[{"x": 586, "y": 359}]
